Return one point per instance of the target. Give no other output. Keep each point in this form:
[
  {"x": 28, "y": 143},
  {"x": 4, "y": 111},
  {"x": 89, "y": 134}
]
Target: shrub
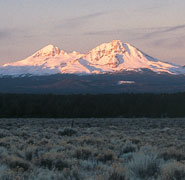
[
  {"x": 128, "y": 147},
  {"x": 33, "y": 152},
  {"x": 117, "y": 174},
  {"x": 173, "y": 171},
  {"x": 92, "y": 141},
  {"x": 61, "y": 164},
  {"x": 45, "y": 174},
  {"x": 67, "y": 132},
  {"x": 72, "y": 174},
  {"x": 5, "y": 142},
  {"x": 46, "y": 162},
  {"x": 144, "y": 166},
  {"x": 3, "y": 152},
  {"x": 28, "y": 155},
  {"x": 127, "y": 157},
  {"x": 4, "y": 133},
  {"x": 5, "y": 173},
  {"x": 173, "y": 154},
  {"x": 83, "y": 153},
  {"x": 135, "y": 141},
  {"x": 53, "y": 161},
  {"x": 88, "y": 164},
  {"x": 16, "y": 163},
  {"x": 106, "y": 156}
]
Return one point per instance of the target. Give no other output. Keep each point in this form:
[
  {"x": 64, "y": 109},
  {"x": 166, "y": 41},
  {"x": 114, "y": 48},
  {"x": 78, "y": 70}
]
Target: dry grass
[{"x": 93, "y": 149}]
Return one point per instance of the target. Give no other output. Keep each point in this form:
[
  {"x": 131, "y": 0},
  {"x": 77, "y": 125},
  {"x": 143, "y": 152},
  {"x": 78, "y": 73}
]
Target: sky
[{"x": 157, "y": 27}]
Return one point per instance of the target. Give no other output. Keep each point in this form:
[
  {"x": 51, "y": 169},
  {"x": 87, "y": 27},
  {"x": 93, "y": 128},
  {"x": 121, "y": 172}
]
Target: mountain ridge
[{"x": 111, "y": 57}]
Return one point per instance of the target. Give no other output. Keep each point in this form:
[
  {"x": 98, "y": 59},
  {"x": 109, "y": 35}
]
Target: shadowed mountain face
[
  {"x": 113, "y": 57},
  {"x": 135, "y": 82}
]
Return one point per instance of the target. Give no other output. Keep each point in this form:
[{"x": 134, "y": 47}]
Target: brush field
[{"x": 92, "y": 149}]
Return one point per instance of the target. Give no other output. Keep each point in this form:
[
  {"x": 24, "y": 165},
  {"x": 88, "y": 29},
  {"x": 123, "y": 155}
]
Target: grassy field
[{"x": 92, "y": 149}]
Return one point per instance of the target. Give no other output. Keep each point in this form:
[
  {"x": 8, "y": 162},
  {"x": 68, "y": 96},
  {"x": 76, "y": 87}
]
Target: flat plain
[{"x": 92, "y": 149}]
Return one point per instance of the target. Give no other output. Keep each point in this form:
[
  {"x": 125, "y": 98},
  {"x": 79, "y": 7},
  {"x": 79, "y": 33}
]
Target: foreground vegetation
[
  {"x": 92, "y": 149},
  {"x": 85, "y": 106}
]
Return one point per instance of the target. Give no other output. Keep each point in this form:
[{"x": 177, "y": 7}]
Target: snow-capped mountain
[{"x": 106, "y": 58}]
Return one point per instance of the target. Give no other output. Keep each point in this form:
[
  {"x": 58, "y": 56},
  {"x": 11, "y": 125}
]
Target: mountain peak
[
  {"x": 116, "y": 46},
  {"x": 49, "y": 50},
  {"x": 107, "y": 48},
  {"x": 119, "y": 42},
  {"x": 116, "y": 42}
]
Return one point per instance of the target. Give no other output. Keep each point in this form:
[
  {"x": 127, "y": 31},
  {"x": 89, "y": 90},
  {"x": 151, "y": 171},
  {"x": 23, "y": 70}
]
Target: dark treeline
[{"x": 109, "y": 105}]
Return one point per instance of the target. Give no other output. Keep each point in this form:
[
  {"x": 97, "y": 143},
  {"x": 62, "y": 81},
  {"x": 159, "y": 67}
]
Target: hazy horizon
[{"x": 155, "y": 27}]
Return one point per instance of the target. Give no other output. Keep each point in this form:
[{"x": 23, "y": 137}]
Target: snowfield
[{"x": 126, "y": 82}]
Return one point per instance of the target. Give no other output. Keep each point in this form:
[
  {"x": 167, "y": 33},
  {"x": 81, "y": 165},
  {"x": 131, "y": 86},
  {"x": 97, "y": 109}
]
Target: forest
[{"x": 126, "y": 105}]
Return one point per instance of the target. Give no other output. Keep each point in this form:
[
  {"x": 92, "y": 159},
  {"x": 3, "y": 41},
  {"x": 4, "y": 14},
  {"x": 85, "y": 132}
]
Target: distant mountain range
[
  {"x": 113, "y": 57},
  {"x": 113, "y": 67}
]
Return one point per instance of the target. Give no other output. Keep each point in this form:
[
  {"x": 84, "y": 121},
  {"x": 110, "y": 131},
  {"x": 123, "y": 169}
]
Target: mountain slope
[{"x": 106, "y": 58}]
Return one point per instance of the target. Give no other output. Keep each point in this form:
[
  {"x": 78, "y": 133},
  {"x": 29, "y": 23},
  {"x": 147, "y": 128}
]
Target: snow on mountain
[
  {"x": 108, "y": 57},
  {"x": 48, "y": 60}
]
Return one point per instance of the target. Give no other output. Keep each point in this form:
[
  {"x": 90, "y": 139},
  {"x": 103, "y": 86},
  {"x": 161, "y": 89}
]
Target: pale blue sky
[{"x": 157, "y": 27}]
